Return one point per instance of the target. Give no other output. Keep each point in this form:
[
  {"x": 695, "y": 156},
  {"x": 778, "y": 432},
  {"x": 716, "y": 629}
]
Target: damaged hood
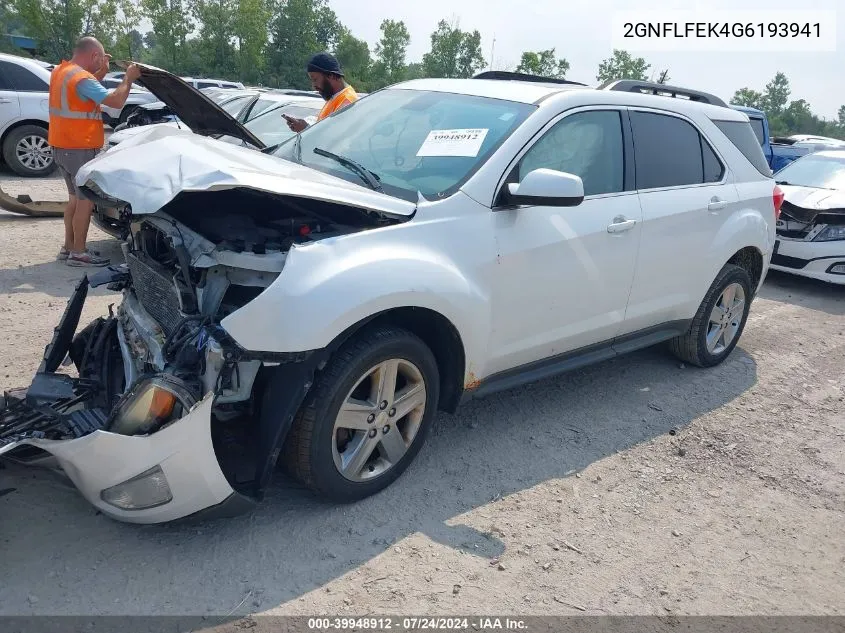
[
  {"x": 192, "y": 107},
  {"x": 150, "y": 169},
  {"x": 805, "y": 203}
]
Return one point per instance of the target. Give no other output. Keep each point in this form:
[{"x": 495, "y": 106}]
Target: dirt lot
[{"x": 637, "y": 486}]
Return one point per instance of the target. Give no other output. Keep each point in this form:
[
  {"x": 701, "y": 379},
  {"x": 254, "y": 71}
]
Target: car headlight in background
[
  {"x": 148, "y": 490},
  {"x": 150, "y": 405},
  {"x": 831, "y": 233}
]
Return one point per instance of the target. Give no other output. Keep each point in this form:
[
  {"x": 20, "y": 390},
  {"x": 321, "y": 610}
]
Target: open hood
[
  {"x": 191, "y": 106},
  {"x": 806, "y": 204},
  {"x": 148, "y": 170}
]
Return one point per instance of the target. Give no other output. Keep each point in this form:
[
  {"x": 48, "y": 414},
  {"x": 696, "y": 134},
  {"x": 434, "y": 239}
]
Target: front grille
[{"x": 155, "y": 290}]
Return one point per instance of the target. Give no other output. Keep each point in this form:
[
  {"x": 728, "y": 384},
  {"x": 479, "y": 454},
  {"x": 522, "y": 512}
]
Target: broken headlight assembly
[
  {"x": 151, "y": 404},
  {"x": 831, "y": 233}
]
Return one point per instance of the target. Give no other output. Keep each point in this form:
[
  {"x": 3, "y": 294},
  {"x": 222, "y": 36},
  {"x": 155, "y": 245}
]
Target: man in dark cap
[{"x": 327, "y": 79}]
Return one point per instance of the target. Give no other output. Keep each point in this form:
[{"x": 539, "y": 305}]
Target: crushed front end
[
  {"x": 164, "y": 416},
  {"x": 811, "y": 242}
]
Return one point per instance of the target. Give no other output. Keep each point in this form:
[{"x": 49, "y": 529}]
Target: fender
[
  {"x": 746, "y": 227},
  {"x": 327, "y": 287}
]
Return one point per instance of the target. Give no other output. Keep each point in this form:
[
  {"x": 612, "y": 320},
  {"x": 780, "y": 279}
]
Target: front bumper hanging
[{"x": 175, "y": 470}]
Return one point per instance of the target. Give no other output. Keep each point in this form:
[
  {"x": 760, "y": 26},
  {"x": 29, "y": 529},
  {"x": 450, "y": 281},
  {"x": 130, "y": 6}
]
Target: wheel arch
[
  {"x": 21, "y": 123},
  {"x": 437, "y": 332},
  {"x": 750, "y": 258}
]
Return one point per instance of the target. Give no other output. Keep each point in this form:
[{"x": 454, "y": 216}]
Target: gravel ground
[{"x": 637, "y": 486}]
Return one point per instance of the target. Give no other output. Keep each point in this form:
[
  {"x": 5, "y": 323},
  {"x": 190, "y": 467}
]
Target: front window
[
  {"x": 821, "y": 172},
  {"x": 413, "y": 141}
]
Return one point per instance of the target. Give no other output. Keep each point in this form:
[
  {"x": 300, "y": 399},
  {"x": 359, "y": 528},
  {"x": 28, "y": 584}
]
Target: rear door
[
  {"x": 686, "y": 193},
  {"x": 10, "y": 108}
]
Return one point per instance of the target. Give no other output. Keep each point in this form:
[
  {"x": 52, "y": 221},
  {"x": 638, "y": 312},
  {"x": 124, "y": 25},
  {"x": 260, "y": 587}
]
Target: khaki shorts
[{"x": 69, "y": 161}]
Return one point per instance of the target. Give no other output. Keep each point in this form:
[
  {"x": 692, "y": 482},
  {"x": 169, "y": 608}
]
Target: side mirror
[{"x": 546, "y": 187}]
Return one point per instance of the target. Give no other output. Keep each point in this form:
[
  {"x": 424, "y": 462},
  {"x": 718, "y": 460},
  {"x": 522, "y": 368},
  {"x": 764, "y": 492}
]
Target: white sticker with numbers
[{"x": 465, "y": 142}]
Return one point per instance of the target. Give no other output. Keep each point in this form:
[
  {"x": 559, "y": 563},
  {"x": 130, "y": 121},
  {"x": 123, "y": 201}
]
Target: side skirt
[{"x": 569, "y": 361}]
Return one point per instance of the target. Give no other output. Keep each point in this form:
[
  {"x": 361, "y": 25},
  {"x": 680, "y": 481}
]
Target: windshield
[
  {"x": 821, "y": 172},
  {"x": 414, "y": 141},
  {"x": 272, "y": 129}
]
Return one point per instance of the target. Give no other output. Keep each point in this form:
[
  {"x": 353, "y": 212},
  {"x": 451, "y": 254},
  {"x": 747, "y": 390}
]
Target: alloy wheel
[
  {"x": 33, "y": 152},
  {"x": 378, "y": 420},
  {"x": 725, "y": 318}
]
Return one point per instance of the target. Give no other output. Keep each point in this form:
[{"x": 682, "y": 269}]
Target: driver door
[{"x": 564, "y": 274}]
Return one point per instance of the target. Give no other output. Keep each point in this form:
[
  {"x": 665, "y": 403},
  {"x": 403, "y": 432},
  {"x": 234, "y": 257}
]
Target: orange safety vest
[
  {"x": 75, "y": 123},
  {"x": 340, "y": 100}
]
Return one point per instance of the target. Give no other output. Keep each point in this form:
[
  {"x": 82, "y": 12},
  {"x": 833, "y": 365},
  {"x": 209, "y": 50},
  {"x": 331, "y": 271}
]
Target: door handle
[
  {"x": 716, "y": 204},
  {"x": 621, "y": 224},
  {"x": 5, "y": 100}
]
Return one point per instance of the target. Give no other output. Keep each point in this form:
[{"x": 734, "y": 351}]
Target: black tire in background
[
  {"x": 308, "y": 453},
  {"x": 15, "y": 146},
  {"x": 692, "y": 347}
]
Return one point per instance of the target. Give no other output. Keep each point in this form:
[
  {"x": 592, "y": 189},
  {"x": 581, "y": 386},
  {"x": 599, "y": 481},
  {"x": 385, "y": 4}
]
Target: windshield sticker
[{"x": 466, "y": 142}]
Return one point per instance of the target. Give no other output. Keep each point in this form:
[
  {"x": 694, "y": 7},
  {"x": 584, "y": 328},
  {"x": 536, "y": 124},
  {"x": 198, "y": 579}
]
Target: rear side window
[
  {"x": 743, "y": 137},
  {"x": 20, "y": 79},
  {"x": 670, "y": 152},
  {"x": 206, "y": 84},
  {"x": 759, "y": 132}
]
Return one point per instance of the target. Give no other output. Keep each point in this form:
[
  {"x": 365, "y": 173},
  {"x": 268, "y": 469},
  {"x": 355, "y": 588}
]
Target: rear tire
[
  {"x": 329, "y": 457},
  {"x": 27, "y": 152},
  {"x": 719, "y": 322}
]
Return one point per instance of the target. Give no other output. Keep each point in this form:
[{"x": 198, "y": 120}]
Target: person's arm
[{"x": 117, "y": 97}]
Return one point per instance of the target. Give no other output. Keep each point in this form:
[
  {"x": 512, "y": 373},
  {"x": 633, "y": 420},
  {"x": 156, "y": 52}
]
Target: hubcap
[
  {"x": 34, "y": 152},
  {"x": 378, "y": 420},
  {"x": 725, "y": 319}
]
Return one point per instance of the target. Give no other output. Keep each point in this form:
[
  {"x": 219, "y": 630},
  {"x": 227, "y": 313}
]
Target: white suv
[
  {"x": 25, "y": 115},
  {"x": 439, "y": 240}
]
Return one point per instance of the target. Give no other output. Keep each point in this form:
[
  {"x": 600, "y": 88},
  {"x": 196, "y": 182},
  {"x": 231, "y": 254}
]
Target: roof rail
[
  {"x": 504, "y": 75},
  {"x": 661, "y": 90}
]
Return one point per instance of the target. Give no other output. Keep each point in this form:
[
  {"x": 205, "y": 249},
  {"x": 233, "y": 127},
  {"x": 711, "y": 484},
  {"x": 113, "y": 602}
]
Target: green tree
[
  {"x": 748, "y": 98},
  {"x": 124, "y": 16},
  {"x": 840, "y": 115},
  {"x": 171, "y": 26},
  {"x": 390, "y": 53},
  {"x": 354, "y": 57},
  {"x": 250, "y": 33},
  {"x": 216, "y": 21},
  {"x": 57, "y": 24},
  {"x": 776, "y": 95},
  {"x": 622, "y": 66},
  {"x": 543, "y": 63},
  {"x": 454, "y": 53},
  {"x": 298, "y": 29}
]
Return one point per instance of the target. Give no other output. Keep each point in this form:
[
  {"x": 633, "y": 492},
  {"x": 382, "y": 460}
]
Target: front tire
[
  {"x": 720, "y": 320},
  {"x": 27, "y": 151},
  {"x": 366, "y": 417}
]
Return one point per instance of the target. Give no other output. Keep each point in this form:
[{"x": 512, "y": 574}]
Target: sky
[{"x": 581, "y": 32}]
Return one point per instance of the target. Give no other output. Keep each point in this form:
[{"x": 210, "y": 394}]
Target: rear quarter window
[{"x": 742, "y": 135}]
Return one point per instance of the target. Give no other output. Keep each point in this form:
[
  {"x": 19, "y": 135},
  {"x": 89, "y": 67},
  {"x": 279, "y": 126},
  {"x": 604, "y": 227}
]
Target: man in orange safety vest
[
  {"x": 76, "y": 134},
  {"x": 326, "y": 78}
]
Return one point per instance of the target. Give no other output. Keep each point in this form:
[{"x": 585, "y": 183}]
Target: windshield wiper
[{"x": 371, "y": 178}]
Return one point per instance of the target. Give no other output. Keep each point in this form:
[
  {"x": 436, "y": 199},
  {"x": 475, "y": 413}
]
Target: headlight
[
  {"x": 830, "y": 233},
  {"x": 148, "y": 490},
  {"x": 151, "y": 404}
]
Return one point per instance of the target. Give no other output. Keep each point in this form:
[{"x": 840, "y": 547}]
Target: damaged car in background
[
  {"x": 811, "y": 228},
  {"x": 314, "y": 306}
]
